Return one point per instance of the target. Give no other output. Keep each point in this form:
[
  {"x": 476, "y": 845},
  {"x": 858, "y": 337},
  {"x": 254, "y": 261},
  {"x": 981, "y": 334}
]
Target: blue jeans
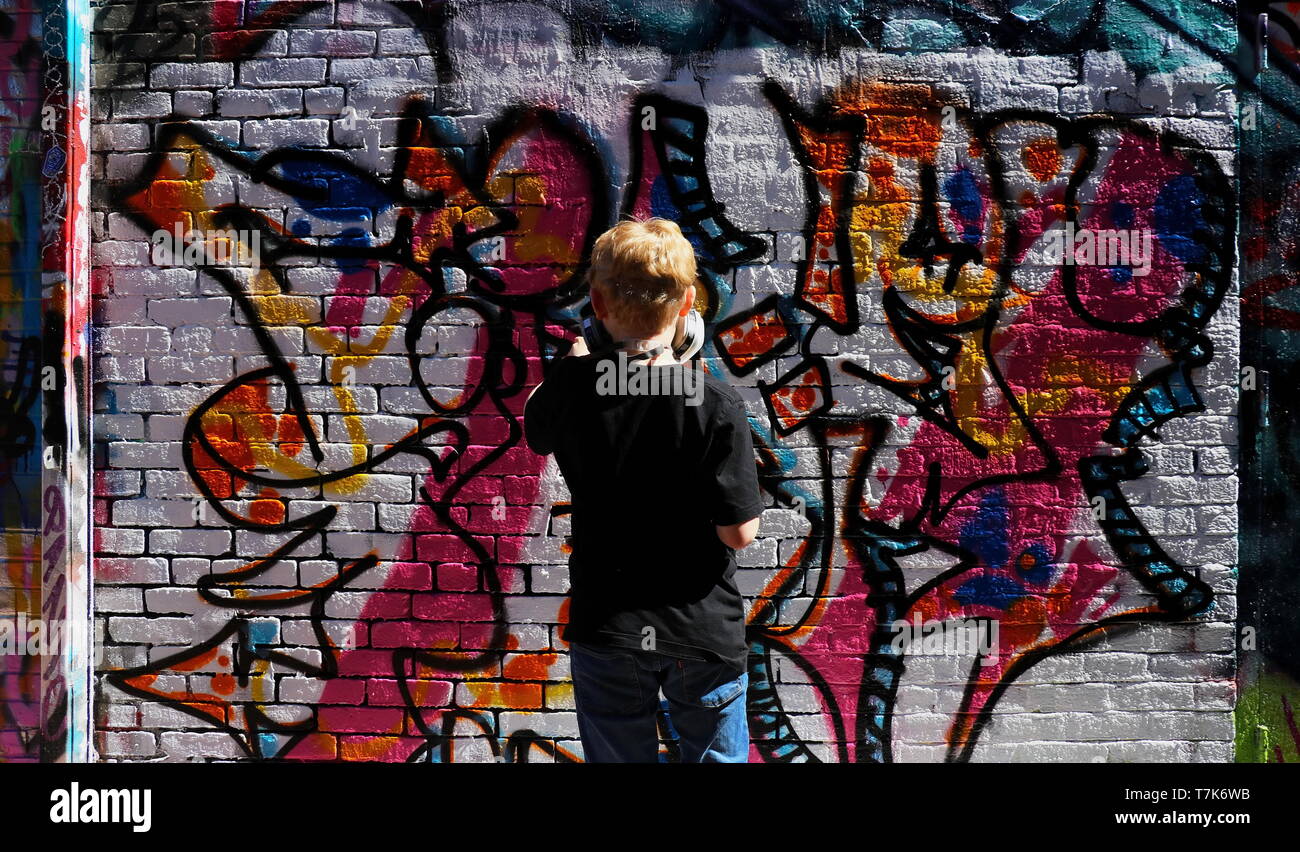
[{"x": 617, "y": 695}]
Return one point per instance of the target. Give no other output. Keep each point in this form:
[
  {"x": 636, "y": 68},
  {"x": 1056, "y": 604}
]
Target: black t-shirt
[{"x": 649, "y": 475}]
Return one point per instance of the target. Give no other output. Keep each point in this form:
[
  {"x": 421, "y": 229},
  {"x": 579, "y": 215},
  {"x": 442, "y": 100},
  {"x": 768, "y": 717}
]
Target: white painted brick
[
  {"x": 212, "y": 311},
  {"x": 168, "y": 370},
  {"x": 120, "y": 253},
  {"x": 279, "y": 133},
  {"x": 333, "y": 43},
  {"x": 120, "y": 136},
  {"x": 130, "y": 571},
  {"x": 281, "y": 574},
  {"x": 152, "y": 513},
  {"x": 350, "y": 516},
  {"x": 139, "y": 454},
  {"x": 282, "y": 72},
  {"x": 173, "y": 75},
  {"x": 135, "y": 105},
  {"x": 123, "y": 368},
  {"x": 176, "y": 631},
  {"x": 324, "y": 100},
  {"x": 114, "y": 600},
  {"x": 256, "y": 544},
  {"x": 189, "y": 542},
  {"x": 172, "y": 601},
  {"x": 127, "y": 744},
  {"x": 259, "y": 102},
  {"x": 182, "y": 745},
  {"x": 242, "y": 341}
]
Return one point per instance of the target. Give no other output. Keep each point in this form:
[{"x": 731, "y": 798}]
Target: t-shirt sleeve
[
  {"x": 540, "y": 415},
  {"x": 734, "y": 490}
]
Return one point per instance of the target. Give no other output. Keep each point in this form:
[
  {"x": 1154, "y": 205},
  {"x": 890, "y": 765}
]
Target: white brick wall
[{"x": 334, "y": 83}]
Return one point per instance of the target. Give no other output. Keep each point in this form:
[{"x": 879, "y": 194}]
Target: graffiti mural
[{"x": 983, "y": 329}]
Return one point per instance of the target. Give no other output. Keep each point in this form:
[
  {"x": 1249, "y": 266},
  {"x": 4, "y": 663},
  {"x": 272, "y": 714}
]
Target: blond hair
[{"x": 643, "y": 269}]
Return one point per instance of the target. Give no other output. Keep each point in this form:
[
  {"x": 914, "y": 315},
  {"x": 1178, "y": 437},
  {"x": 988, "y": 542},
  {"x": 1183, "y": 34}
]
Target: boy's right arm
[
  {"x": 539, "y": 409},
  {"x": 739, "y": 536},
  {"x": 539, "y": 416}
]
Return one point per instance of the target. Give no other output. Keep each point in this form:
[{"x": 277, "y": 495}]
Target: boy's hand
[{"x": 578, "y": 349}]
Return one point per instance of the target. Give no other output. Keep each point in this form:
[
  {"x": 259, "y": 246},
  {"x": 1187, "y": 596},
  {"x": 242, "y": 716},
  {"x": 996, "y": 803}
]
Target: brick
[
  {"x": 177, "y": 631},
  {"x": 189, "y": 542},
  {"x": 210, "y": 311},
  {"x": 175, "y": 75},
  {"x": 259, "y": 102},
  {"x": 282, "y": 72}
]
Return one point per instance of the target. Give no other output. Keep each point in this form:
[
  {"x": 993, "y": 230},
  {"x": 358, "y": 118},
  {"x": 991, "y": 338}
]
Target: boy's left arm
[
  {"x": 538, "y": 414},
  {"x": 539, "y": 410}
]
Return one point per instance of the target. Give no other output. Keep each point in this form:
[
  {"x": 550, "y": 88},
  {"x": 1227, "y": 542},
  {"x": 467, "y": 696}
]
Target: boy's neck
[{"x": 633, "y": 344}]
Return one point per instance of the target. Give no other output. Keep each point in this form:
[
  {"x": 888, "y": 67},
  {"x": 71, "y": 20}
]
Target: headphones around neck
[{"x": 688, "y": 340}]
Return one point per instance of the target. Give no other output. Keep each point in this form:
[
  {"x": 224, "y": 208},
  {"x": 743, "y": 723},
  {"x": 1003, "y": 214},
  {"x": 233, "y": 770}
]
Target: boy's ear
[
  {"x": 688, "y": 302},
  {"x": 597, "y": 303}
]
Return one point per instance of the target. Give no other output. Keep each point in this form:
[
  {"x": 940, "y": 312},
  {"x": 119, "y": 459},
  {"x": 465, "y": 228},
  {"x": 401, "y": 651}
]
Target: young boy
[{"x": 664, "y": 490}]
